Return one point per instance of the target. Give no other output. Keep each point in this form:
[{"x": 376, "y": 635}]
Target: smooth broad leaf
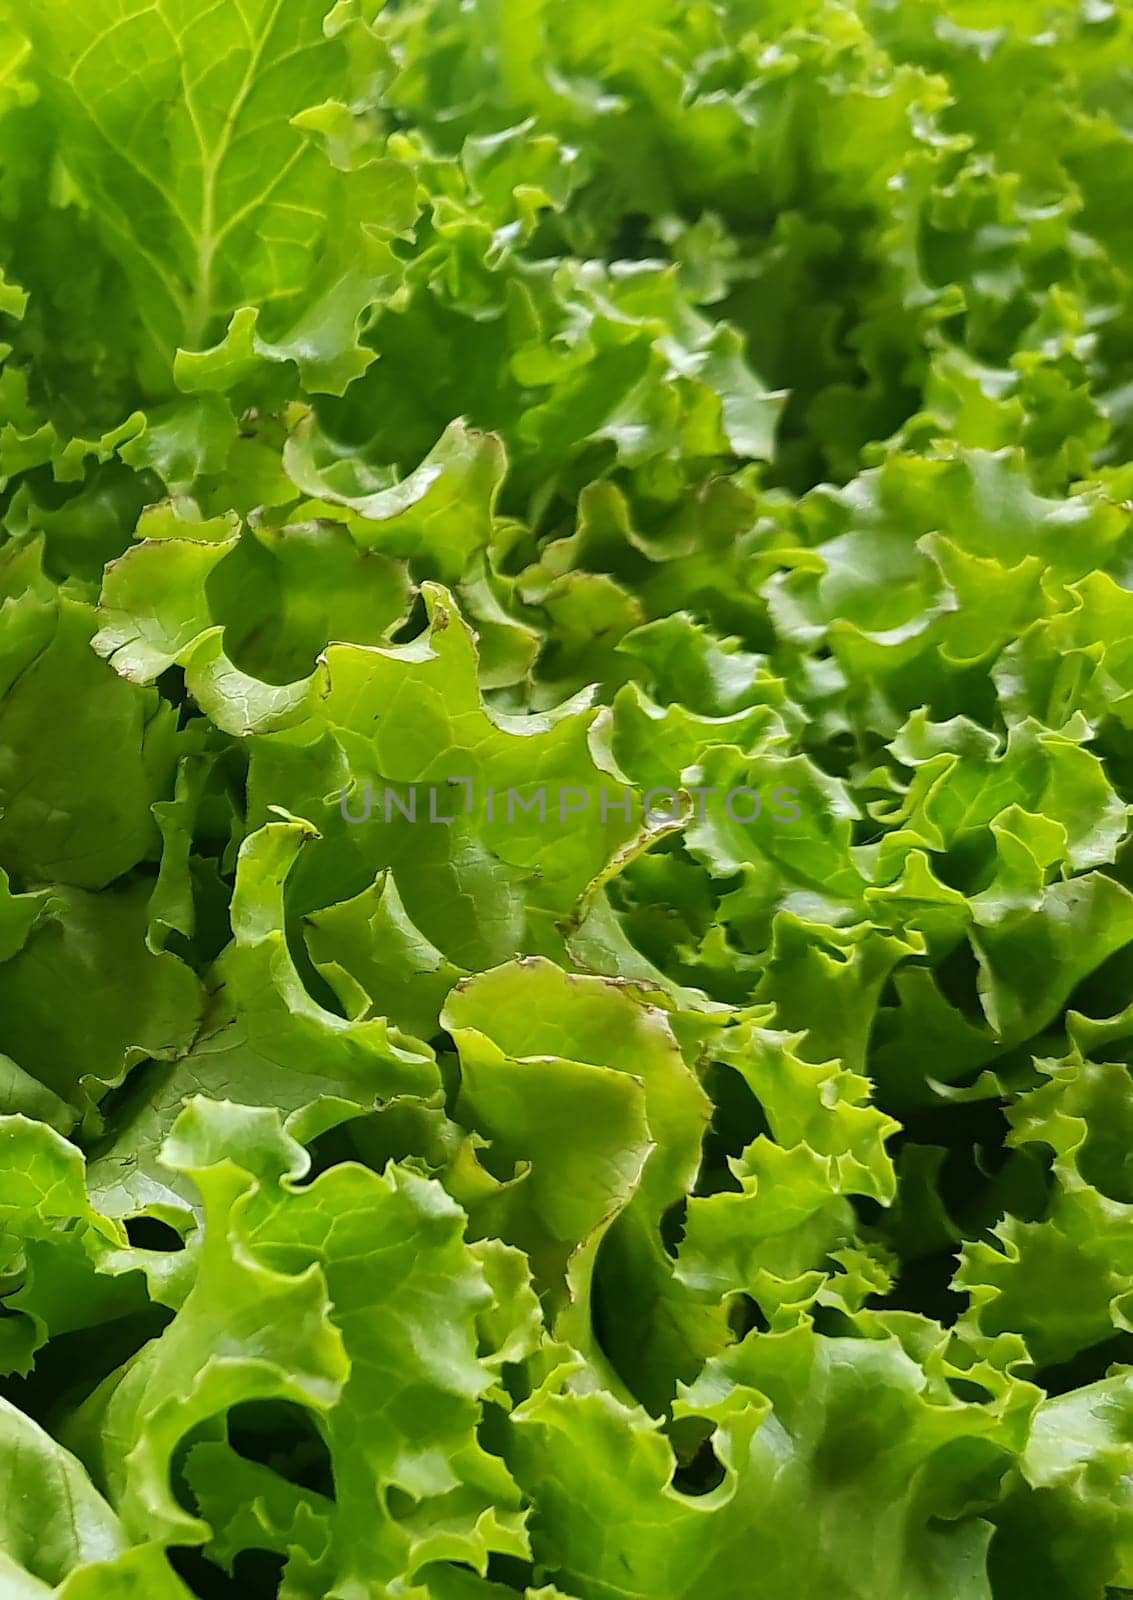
[
  {"x": 125, "y": 1002},
  {"x": 71, "y": 1269},
  {"x": 181, "y": 127},
  {"x": 440, "y": 515},
  {"x": 492, "y": 824},
  {"x": 276, "y": 597},
  {"x": 588, "y": 1213},
  {"x": 318, "y": 1295},
  {"x": 1069, "y": 1516},
  {"x": 841, "y": 1462},
  {"x": 373, "y": 957},
  {"x": 54, "y": 1519},
  {"x": 59, "y": 1537},
  {"x": 264, "y": 1041},
  {"x": 75, "y": 788}
]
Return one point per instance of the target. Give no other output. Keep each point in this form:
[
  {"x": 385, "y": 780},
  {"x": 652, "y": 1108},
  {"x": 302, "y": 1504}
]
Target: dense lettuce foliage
[{"x": 579, "y": 421}]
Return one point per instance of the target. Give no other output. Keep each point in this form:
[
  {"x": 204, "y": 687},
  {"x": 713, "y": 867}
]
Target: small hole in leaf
[
  {"x": 746, "y": 1316},
  {"x": 700, "y": 1472},
  {"x": 150, "y": 1233},
  {"x": 256, "y": 1574},
  {"x": 511, "y": 1571},
  {"x": 974, "y": 1393},
  {"x": 283, "y": 1436},
  {"x": 673, "y": 1226},
  {"x": 1088, "y": 1366}
]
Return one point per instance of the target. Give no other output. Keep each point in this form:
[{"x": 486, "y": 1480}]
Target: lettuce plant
[{"x": 566, "y": 745}]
